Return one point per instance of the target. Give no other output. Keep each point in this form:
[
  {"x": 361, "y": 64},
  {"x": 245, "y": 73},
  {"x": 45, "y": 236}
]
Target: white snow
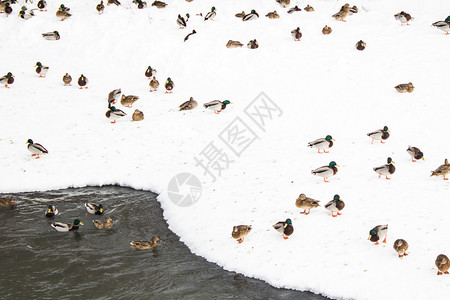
[{"x": 322, "y": 84}]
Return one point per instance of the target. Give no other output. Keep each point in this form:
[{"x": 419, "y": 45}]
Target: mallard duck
[
  {"x": 6, "y": 8},
  {"x": 403, "y": 17},
  {"x": 442, "y": 25},
  {"x": 240, "y": 232},
  {"x": 128, "y": 100},
  {"x": 116, "y": 2},
  {"x": 284, "y": 3},
  {"x": 113, "y": 114},
  {"x": 342, "y": 14},
  {"x": 8, "y": 79},
  {"x": 100, "y": 7},
  {"x": 154, "y": 84},
  {"x": 137, "y": 115},
  {"x": 306, "y": 203},
  {"x": 234, "y": 44},
  {"x": 67, "y": 79},
  {"x": 42, "y": 5},
  {"x": 211, "y": 15},
  {"x": 335, "y": 206},
  {"x": 113, "y": 96},
  {"x": 378, "y": 233},
  {"x": 380, "y": 134},
  {"x": 387, "y": 169},
  {"x": 309, "y": 8},
  {"x": 253, "y": 15},
  {"x": 51, "y": 211},
  {"x": 140, "y": 4},
  {"x": 443, "y": 170},
  {"x": 405, "y": 87},
  {"x": 296, "y": 34},
  {"x": 36, "y": 149},
  {"x": 26, "y": 13},
  {"x": 253, "y": 44},
  {"x": 353, "y": 10},
  {"x": 144, "y": 245},
  {"x": 51, "y": 36},
  {"x": 93, "y": 209},
  {"x": 326, "y": 171},
  {"x": 62, "y": 14},
  {"x": 401, "y": 246},
  {"x": 41, "y": 69},
  {"x": 273, "y": 15},
  {"x": 64, "y": 8},
  {"x": 187, "y": 36},
  {"x": 169, "y": 85},
  {"x": 7, "y": 202},
  {"x": 217, "y": 105},
  {"x": 285, "y": 228},
  {"x": 83, "y": 81},
  {"x": 182, "y": 22},
  {"x": 150, "y": 72},
  {"x": 65, "y": 227},
  {"x": 322, "y": 144},
  {"x": 442, "y": 263},
  {"x": 326, "y": 30},
  {"x": 293, "y": 9},
  {"x": 240, "y": 15},
  {"x": 415, "y": 153},
  {"x": 360, "y": 45},
  {"x": 188, "y": 105},
  {"x": 159, "y": 4},
  {"x": 107, "y": 224}
]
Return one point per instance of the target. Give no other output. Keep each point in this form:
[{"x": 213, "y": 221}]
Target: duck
[
  {"x": 415, "y": 153},
  {"x": 217, "y": 105},
  {"x": 326, "y": 30},
  {"x": 240, "y": 232},
  {"x": 296, "y": 34},
  {"x": 113, "y": 96},
  {"x": 309, "y": 8},
  {"x": 187, "y": 36},
  {"x": 182, "y": 22},
  {"x": 240, "y": 15},
  {"x": 306, "y": 203},
  {"x": 67, "y": 79},
  {"x": 253, "y": 15},
  {"x": 401, "y": 246},
  {"x": 169, "y": 85},
  {"x": 114, "y": 114},
  {"x": 322, "y": 144},
  {"x": 285, "y": 228},
  {"x": 100, "y": 7},
  {"x": 284, "y": 3},
  {"x": 380, "y": 134},
  {"x": 188, "y": 105},
  {"x": 211, "y": 15},
  {"x": 378, "y": 233},
  {"x": 7, "y": 202},
  {"x": 137, "y": 115},
  {"x": 93, "y": 209},
  {"x": 107, "y": 224},
  {"x": 253, "y": 44},
  {"x": 116, "y": 2},
  {"x": 41, "y": 69},
  {"x": 159, "y": 4},
  {"x": 64, "y": 8},
  {"x": 443, "y": 170},
  {"x": 442, "y": 263},
  {"x": 335, "y": 206},
  {"x": 42, "y": 5},
  {"x": 144, "y": 245},
  {"x": 51, "y": 211},
  {"x": 140, "y": 4},
  {"x": 7, "y": 80},
  {"x": 150, "y": 72},
  {"x": 326, "y": 171},
  {"x": 128, "y": 100},
  {"x": 294, "y": 9},
  {"x": 405, "y": 87},
  {"x": 6, "y": 8},
  {"x": 83, "y": 81},
  {"x": 360, "y": 45},
  {"x": 26, "y": 13},
  {"x": 442, "y": 25},
  {"x": 63, "y": 14},
  {"x": 403, "y": 17},
  {"x": 342, "y": 14},
  {"x": 234, "y": 44},
  {"x": 273, "y": 15},
  {"x": 385, "y": 170},
  {"x": 51, "y": 36},
  {"x": 65, "y": 227},
  {"x": 36, "y": 149},
  {"x": 154, "y": 84}
]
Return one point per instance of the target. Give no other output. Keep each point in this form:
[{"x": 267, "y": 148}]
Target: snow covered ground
[{"x": 322, "y": 85}]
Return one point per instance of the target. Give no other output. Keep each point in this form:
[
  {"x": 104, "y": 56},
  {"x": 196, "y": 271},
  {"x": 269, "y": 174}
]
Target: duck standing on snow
[
  {"x": 114, "y": 114},
  {"x": 253, "y": 44},
  {"x": 380, "y": 134},
  {"x": 137, "y": 115},
  {"x": 6, "y": 8},
  {"x": 378, "y": 233},
  {"x": 7, "y": 202},
  {"x": 309, "y": 8},
  {"x": 403, "y": 17},
  {"x": 342, "y": 14},
  {"x": 182, "y": 21},
  {"x": 335, "y": 206},
  {"x": 326, "y": 30},
  {"x": 159, "y": 4},
  {"x": 128, "y": 100},
  {"x": 113, "y": 96},
  {"x": 385, "y": 170},
  {"x": 306, "y": 203},
  {"x": 401, "y": 246},
  {"x": 150, "y": 72},
  {"x": 83, "y": 81},
  {"x": 36, "y": 149},
  {"x": 217, "y": 105},
  {"x": 42, "y": 5},
  {"x": 253, "y": 15},
  {"x": 169, "y": 85},
  {"x": 326, "y": 171},
  {"x": 360, "y": 45},
  {"x": 51, "y": 211},
  {"x": 442, "y": 263},
  {"x": 100, "y": 7},
  {"x": 154, "y": 84},
  {"x": 443, "y": 25},
  {"x": 51, "y": 36},
  {"x": 322, "y": 144},
  {"x": 67, "y": 79},
  {"x": 443, "y": 170},
  {"x": 294, "y": 9},
  {"x": 273, "y": 15},
  {"x": 296, "y": 34},
  {"x": 211, "y": 15},
  {"x": 284, "y": 3},
  {"x": 63, "y": 13},
  {"x": 285, "y": 228},
  {"x": 415, "y": 153},
  {"x": 405, "y": 87},
  {"x": 234, "y": 44},
  {"x": 94, "y": 209},
  {"x": 65, "y": 227},
  {"x": 188, "y": 105},
  {"x": 144, "y": 245},
  {"x": 41, "y": 69},
  {"x": 107, "y": 224},
  {"x": 240, "y": 232},
  {"x": 8, "y": 79}
]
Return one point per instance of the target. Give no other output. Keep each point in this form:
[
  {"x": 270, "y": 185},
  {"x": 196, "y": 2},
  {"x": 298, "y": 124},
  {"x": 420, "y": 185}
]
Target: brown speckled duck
[
  {"x": 405, "y": 87},
  {"x": 273, "y": 15},
  {"x": 7, "y": 202},
  {"x": 128, "y": 100},
  {"x": 443, "y": 170},
  {"x": 342, "y": 14},
  {"x": 326, "y": 30},
  {"x": 401, "y": 246},
  {"x": 309, "y": 8},
  {"x": 159, "y": 4},
  {"x": 67, "y": 79},
  {"x": 240, "y": 232},
  {"x": 107, "y": 224},
  {"x": 284, "y": 3},
  {"x": 154, "y": 84},
  {"x": 442, "y": 263},
  {"x": 188, "y": 105},
  {"x": 234, "y": 44},
  {"x": 137, "y": 115},
  {"x": 306, "y": 203},
  {"x": 144, "y": 245}
]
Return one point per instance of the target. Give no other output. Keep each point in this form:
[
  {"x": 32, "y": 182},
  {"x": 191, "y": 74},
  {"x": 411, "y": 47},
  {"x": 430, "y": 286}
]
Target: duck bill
[
  {"x": 333, "y": 140},
  {"x": 81, "y": 223},
  {"x": 423, "y": 158},
  {"x": 369, "y": 237}
]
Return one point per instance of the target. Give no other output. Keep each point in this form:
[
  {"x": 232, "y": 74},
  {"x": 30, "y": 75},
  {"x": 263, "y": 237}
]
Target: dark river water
[{"x": 37, "y": 262}]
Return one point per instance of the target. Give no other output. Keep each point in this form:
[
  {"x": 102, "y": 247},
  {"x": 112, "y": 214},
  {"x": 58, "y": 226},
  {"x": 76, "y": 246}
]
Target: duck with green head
[
  {"x": 378, "y": 233},
  {"x": 26, "y": 13},
  {"x": 285, "y": 228},
  {"x": 211, "y": 15},
  {"x": 65, "y": 227},
  {"x": 7, "y": 80},
  {"x": 182, "y": 22},
  {"x": 51, "y": 36},
  {"x": 169, "y": 85},
  {"x": 51, "y": 211},
  {"x": 380, "y": 134},
  {"x": 93, "y": 209},
  {"x": 83, "y": 81},
  {"x": 387, "y": 169},
  {"x": 322, "y": 144},
  {"x": 150, "y": 72},
  {"x": 335, "y": 206},
  {"x": 253, "y": 15},
  {"x": 100, "y": 7},
  {"x": 326, "y": 171},
  {"x": 42, "y": 5},
  {"x": 216, "y": 105},
  {"x": 296, "y": 34},
  {"x": 114, "y": 114},
  {"x": 41, "y": 69},
  {"x": 415, "y": 153},
  {"x": 36, "y": 149}
]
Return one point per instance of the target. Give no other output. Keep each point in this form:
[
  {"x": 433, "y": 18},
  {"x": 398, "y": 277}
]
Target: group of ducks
[{"x": 42, "y": 70}]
